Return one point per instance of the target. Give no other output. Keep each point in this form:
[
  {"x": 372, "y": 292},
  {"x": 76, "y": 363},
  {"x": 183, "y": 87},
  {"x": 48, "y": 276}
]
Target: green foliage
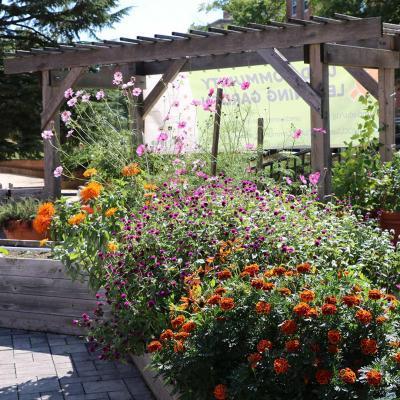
[
  {"x": 244, "y": 11},
  {"x": 27, "y": 24},
  {"x": 23, "y": 209},
  {"x": 360, "y": 159}
]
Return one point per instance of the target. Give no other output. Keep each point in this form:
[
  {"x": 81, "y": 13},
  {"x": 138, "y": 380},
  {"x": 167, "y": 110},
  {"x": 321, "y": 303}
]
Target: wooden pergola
[{"x": 346, "y": 41}]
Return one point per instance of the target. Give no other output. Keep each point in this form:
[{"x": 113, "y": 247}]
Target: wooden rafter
[
  {"x": 197, "y": 46},
  {"x": 162, "y": 85},
  {"x": 292, "y": 77}
]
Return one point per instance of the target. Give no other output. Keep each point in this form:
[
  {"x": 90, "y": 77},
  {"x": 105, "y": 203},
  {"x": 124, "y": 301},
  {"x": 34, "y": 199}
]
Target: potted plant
[{"x": 16, "y": 217}]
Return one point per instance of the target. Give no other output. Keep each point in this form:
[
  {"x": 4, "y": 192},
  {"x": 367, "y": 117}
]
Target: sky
[{"x": 148, "y": 17}]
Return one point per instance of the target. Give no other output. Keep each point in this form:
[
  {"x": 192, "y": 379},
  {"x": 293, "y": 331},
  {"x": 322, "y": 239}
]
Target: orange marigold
[
  {"x": 334, "y": 336},
  {"x": 41, "y": 224},
  {"x": 257, "y": 283},
  {"x": 281, "y": 365},
  {"x": 112, "y": 247},
  {"x": 91, "y": 191},
  {"x": 307, "y": 296},
  {"x": 328, "y": 309},
  {"x": 263, "y": 345},
  {"x": 288, "y": 327},
  {"x": 220, "y": 291},
  {"x": 46, "y": 210},
  {"x": 77, "y": 219},
  {"x": 304, "y": 268},
  {"x": 178, "y": 321},
  {"x": 368, "y": 347},
  {"x": 90, "y": 172},
  {"x": 189, "y": 326},
  {"x": 364, "y": 316},
  {"x": 110, "y": 212},
  {"x": 312, "y": 313},
  {"x": 267, "y": 286},
  {"x": 262, "y": 307},
  {"x": 279, "y": 271},
  {"x": 214, "y": 299},
  {"x": 254, "y": 359},
  {"x": 374, "y": 294},
  {"x": 132, "y": 169},
  {"x": 250, "y": 270},
  {"x": 224, "y": 274},
  {"x": 292, "y": 346},
  {"x": 333, "y": 348},
  {"x": 374, "y": 377},
  {"x": 182, "y": 335},
  {"x": 347, "y": 375},
  {"x": 301, "y": 309},
  {"x": 154, "y": 346},
  {"x": 179, "y": 346},
  {"x": 351, "y": 300},
  {"x": 380, "y": 319},
  {"x": 150, "y": 187},
  {"x": 167, "y": 335},
  {"x": 331, "y": 300},
  {"x": 323, "y": 376},
  {"x": 227, "y": 303},
  {"x": 220, "y": 392},
  {"x": 285, "y": 291}
]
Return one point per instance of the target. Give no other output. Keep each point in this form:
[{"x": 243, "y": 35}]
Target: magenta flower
[
  {"x": 245, "y": 85},
  {"x": 195, "y": 102},
  {"x": 162, "y": 137},
  {"x": 249, "y": 146},
  {"x": 226, "y": 82},
  {"x": 297, "y": 133},
  {"x": 288, "y": 180},
  {"x": 58, "y": 172},
  {"x": 141, "y": 149},
  {"x": 208, "y": 105},
  {"x": 72, "y": 101},
  {"x": 100, "y": 95},
  {"x": 210, "y": 92},
  {"x": 319, "y": 130},
  {"x": 68, "y": 93},
  {"x": 117, "y": 78},
  {"x": 314, "y": 178},
  {"x": 66, "y": 116},
  {"x": 136, "y": 92},
  {"x": 47, "y": 134},
  {"x": 175, "y": 103},
  {"x": 181, "y": 124},
  {"x": 303, "y": 179}
]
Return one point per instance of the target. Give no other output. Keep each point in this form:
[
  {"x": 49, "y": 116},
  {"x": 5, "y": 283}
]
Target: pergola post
[
  {"x": 52, "y": 185},
  {"x": 387, "y": 127},
  {"x": 321, "y": 156}
]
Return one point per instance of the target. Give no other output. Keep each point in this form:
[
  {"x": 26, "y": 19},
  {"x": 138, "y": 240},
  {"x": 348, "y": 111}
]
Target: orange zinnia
[
  {"x": 304, "y": 268},
  {"x": 41, "y": 224},
  {"x": 250, "y": 270},
  {"x": 178, "y": 321},
  {"x": 132, "y": 169},
  {"x": 214, "y": 299},
  {"x": 46, "y": 210},
  {"x": 77, "y": 219},
  {"x": 328, "y": 309},
  {"x": 281, "y": 365},
  {"x": 91, "y": 191},
  {"x": 347, "y": 375},
  {"x": 224, "y": 274},
  {"x": 182, "y": 336},
  {"x": 189, "y": 326},
  {"x": 301, "y": 309},
  {"x": 167, "y": 334},
  {"x": 351, "y": 300},
  {"x": 330, "y": 300},
  {"x": 111, "y": 211},
  {"x": 374, "y": 294},
  {"x": 220, "y": 392}
]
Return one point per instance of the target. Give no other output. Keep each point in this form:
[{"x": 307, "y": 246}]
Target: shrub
[{"x": 22, "y": 209}]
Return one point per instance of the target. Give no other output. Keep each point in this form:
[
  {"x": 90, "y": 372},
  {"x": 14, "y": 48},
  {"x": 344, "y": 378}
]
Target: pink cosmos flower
[
  {"x": 78, "y": 93},
  {"x": 58, "y": 171},
  {"x": 175, "y": 103},
  {"x": 202, "y": 174},
  {"x": 314, "y": 178},
  {"x": 288, "y": 180},
  {"x": 141, "y": 149},
  {"x": 209, "y": 105},
  {"x": 177, "y": 161},
  {"x": 128, "y": 85},
  {"x": 245, "y": 85},
  {"x": 117, "y": 78},
  {"x": 162, "y": 137},
  {"x": 72, "y": 101},
  {"x": 226, "y": 82},
  {"x": 249, "y": 146},
  {"x": 66, "y": 116},
  {"x": 181, "y": 124},
  {"x": 85, "y": 98},
  {"x": 68, "y": 93},
  {"x": 136, "y": 92},
  {"x": 210, "y": 92},
  {"x": 48, "y": 134},
  {"x": 195, "y": 102},
  {"x": 69, "y": 133},
  {"x": 100, "y": 95},
  {"x": 303, "y": 179},
  {"x": 319, "y": 130},
  {"x": 297, "y": 133}
]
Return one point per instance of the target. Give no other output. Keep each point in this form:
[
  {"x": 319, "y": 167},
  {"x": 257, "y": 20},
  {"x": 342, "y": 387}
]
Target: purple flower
[
  {"x": 47, "y": 134},
  {"x": 58, "y": 172},
  {"x": 319, "y": 130},
  {"x": 245, "y": 85},
  {"x": 72, "y": 101},
  {"x": 303, "y": 179},
  {"x": 136, "y": 92},
  {"x": 181, "y": 124},
  {"x": 66, "y": 116},
  {"x": 226, "y": 82},
  {"x": 210, "y": 92},
  {"x": 288, "y": 180},
  {"x": 141, "y": 149},
  {"x": 314, "y": 178},
  {"x": 117, "y": 78},
  {"x": 162, "y": 137},
  {"x": 100, "y": 95},
  {"x": 297, "y": 133},
  {"x": 195, "y": 102},
  {"x": 69, "y": 133},
  {"x": 249, "y": 146},
  {"x": 85, "y": 98},
  {"x": 68, "y": 93}
]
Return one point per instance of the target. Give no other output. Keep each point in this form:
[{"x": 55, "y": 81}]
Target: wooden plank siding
[{"x": 37, "y": 294}]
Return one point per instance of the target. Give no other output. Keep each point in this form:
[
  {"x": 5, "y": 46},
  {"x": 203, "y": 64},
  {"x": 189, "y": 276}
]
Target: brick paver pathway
[{"x": 43, "y": 366}]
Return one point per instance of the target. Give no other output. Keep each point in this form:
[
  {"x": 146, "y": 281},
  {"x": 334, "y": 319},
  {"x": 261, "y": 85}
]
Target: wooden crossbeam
[
  {"x": 217, "y": 44},
  {"x": 354, "y": 56},
  {"x": 57, "y": 98},
  {"x": 162, "y": 85},
  {"x": 365, "y": 79},
  {"x": 292, "y": 77}
]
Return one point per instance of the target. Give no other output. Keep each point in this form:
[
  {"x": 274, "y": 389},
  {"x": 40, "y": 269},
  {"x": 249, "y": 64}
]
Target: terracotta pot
[
  {"x": 389, "y": 221},
  {"x": 22, "y": 230}
]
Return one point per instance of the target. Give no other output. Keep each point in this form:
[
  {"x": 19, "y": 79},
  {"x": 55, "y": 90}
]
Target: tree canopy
[{"x": 31, "y": 23}]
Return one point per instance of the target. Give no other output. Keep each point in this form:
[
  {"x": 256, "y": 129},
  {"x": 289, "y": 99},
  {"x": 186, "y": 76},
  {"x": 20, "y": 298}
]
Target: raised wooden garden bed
[{"x": 36, "y": 294}]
